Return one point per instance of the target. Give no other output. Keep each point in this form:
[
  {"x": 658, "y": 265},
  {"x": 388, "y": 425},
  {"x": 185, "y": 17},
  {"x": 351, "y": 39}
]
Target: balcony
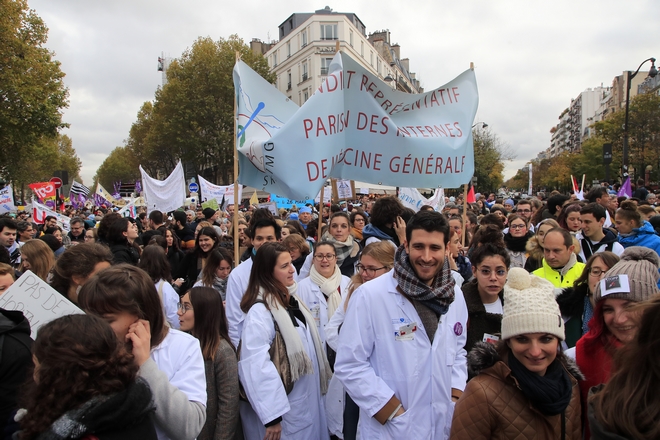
[
  {"x": 304, "y": 77},
  {"x": 324, "y": 70}
]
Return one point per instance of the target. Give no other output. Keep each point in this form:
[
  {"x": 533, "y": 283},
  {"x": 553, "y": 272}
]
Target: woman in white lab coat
[
  {"x": 271, "y": 306},
  {"x": 323, "y": 290}
]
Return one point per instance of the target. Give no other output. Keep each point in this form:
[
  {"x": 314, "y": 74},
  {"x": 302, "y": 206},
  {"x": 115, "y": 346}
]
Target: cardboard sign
[{"x": 39, "y": 302}]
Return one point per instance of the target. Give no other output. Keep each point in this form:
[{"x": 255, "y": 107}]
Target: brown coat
[{"x": 494, "y": 407}]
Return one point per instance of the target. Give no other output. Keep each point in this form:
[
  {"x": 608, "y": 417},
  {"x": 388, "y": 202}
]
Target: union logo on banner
[{"x": 43, "y": 190}]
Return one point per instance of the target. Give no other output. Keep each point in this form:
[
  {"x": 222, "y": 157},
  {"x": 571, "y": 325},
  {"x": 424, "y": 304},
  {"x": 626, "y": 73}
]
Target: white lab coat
[
  {"x": 373, "y": 365},
  {"x": 315, "y": 300},
  {"x": 236, "y": 287},
  {"x": 303, "y": 410}
]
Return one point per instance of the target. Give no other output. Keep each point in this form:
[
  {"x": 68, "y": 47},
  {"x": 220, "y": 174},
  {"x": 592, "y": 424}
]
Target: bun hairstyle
[
  {"x": 628, "y": 211},
  {"x": 488, "y": 234}
]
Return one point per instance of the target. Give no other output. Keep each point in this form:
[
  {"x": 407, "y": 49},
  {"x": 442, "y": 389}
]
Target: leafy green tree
[
  {"x": 32, "y": 94},
  {"x": 192, "y": 117},
  {"x": 490, "y": 152},
  {"x": 120, "y": 165}
]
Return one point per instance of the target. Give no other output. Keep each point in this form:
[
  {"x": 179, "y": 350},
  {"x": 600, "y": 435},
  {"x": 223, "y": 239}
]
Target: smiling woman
[{"x": 544, "y": 397}]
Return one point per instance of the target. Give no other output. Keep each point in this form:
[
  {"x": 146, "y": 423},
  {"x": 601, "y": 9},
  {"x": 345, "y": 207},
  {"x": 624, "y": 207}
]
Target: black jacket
[
  {"x": 571, "y": 306},
  {"x": 589, "y": 249},
  {"x": 124, "y": 253},
  {"x": 15, "y": 360},
  {"x": 479, "y": 321},
  {"x": 189, "y": 270},
  {"x": 175, "y": 257}
]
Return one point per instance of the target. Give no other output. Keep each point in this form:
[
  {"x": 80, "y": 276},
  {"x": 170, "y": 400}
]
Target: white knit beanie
[{"x": 530, "y": 306}]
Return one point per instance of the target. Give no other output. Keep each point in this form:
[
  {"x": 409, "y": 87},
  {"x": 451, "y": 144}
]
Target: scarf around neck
[
  {"x": 299, "y": 361},
  {"x": 329, "y": 287},
  {"x": 343, "y": 248},
  {"x": 437, "y": 297},
  {"x": 516, "y": 244},
  {"x": 550, "y": 393}
]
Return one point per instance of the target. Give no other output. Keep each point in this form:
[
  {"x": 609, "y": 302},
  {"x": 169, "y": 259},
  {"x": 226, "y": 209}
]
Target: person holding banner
[{"x": 169, "y": 360}]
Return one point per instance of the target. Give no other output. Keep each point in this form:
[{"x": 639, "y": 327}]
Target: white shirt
[
  {"x": 236, "y": 287},
  {"x": 494, "y": 307},
  {"x": 170, "y": 300}
]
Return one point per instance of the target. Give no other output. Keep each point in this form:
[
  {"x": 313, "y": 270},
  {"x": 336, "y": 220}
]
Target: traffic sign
[
  {"x": 193, "y": 187},
  {"x": 57, "y": 182}
]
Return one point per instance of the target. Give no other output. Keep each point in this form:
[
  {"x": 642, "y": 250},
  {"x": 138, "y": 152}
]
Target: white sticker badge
[{"x": 614, "y": 284}]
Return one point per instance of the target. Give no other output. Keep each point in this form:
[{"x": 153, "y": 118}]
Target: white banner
[
  {"x": 7, "y": 200},
  {"x": 413, "y": 199},
  {"x": 129, "y": 210},
  {"x": 40, "y": 212},
  {"x": 211, "y": 191},
  {"x": 39, "y": 302},
  {"x": 164, "y": 195},
  {"x": 354, "y": 126}
]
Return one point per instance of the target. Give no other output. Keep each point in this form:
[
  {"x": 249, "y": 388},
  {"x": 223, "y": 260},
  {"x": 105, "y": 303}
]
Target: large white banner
[
  {"x": 7, "y": 200},
  {"x": 164, "y": 195},
  {"x": 211, "y": 191},
  {"x": 413, "y": 199},
  {"x": 40, "y": 212},
  {"x": 354, "y": 127}
]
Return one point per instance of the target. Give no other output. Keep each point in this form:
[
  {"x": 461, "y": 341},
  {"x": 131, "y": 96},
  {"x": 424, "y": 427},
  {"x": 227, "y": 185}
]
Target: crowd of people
[{"x": 529, "y": 319}]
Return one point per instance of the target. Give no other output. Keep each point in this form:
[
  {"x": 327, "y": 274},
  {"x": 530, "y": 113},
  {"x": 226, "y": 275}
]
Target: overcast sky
[{"x": 531, "y": 57}]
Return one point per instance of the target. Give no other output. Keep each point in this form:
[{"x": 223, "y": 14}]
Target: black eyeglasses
[{"x": 371, "y": 271}]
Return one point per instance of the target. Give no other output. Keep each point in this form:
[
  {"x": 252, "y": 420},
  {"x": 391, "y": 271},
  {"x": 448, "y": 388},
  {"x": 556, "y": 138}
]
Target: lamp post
[
  {"x": 652, "y": 73},
  {"x": 389, "y": 78}
]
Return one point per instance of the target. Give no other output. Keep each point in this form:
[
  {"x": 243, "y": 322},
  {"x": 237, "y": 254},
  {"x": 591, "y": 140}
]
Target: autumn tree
[
  {"x": 32, "y": 94},
  {"x": 490, "y": 152},
  {"x": 120, "y": 165},
  {"x": 192, "y": 116}
]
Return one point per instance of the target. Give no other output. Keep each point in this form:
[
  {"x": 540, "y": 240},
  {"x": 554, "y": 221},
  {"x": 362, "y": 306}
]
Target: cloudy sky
[{"x": 531, "y": 57}]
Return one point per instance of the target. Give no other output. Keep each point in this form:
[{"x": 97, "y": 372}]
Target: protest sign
[
  {"x": 271, "y": 206},
  {"x": 210, "y": 191},
  {"x": 7, "y": 200},
  {"x": 213, "y": 204},
  {"x": 39, "y": 302},
  {"x": 354, "y": 125},
  {"x": 283, "y": 202},
  {"x": 164, "y": 195},
  {"x": 412, "y": 198}
]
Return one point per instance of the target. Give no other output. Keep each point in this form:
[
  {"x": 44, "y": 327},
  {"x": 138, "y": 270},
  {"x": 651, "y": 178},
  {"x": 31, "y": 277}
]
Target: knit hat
[
  {"x": 208, "y": 213},
  {"x": 306, "y": 209},
  {"x": 530, "y": 306},
  {"x": 640, "y": 264},
  {"x": 293, "y": 216},
  {"x": 509, "y": 202}
]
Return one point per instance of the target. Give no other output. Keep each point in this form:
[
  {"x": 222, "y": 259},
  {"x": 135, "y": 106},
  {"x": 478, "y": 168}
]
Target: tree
[
  {"x": 489, "y": 156},
  {"x": 120, "y": 165},
  {"x": 32, "y": 94},
  {"x": 192, "y": 116}
]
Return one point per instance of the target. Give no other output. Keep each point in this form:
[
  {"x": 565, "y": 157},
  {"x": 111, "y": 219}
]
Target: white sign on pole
[
  {"x": 6, "y": 200},
  {"x": 344, "y": 190},
  {"x": 39, "y": 302}
]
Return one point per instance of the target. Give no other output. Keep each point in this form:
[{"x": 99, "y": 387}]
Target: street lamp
[
  {"x": 389, "y": 78},
  {"x": 652, "y": 73}
]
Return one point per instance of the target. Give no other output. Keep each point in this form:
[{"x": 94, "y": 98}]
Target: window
[
  {"x": 305, "y": 95},
  {"x": 303, "y": 38},
  {"x": 288, "y": 48},
  {"x": 325, "y": 65},
  {"x": 305, "y": 73},
  {"x": 288, "y": 79},
  {"x": 378, "y": 65},
  {"x": 350, "y": 38},
  {"x": 274, "y": 59},
  {"x": 362, "y": 48},
  {"x": 328, "y": 31},
  {"x": 371, "y": 58}
]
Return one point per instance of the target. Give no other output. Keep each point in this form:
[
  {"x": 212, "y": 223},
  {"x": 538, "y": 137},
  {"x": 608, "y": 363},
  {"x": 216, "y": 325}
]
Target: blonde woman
[{"x": 37, "y": 256}]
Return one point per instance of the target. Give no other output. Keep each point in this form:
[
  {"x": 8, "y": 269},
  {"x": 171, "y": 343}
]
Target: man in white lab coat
[{"x": 400, "y": 354}]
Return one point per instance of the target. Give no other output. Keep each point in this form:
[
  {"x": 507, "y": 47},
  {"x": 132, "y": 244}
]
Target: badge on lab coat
[{"x": 406, "y": 332}]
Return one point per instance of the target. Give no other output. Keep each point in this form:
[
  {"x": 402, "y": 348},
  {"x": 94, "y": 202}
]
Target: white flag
[{"x": 164, "y": 195}]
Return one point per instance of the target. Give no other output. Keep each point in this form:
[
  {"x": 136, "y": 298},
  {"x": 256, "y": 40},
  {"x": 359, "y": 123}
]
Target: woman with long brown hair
[
  {"x": 170, "y": 361},
  {"x": 37, "y": 257},
  {"x": 85, "y": 385},
  {"x": 286, "y": 399},
  {"x": 195, "y": 260},
  {"x": 628, "y": 406},
  {"x": 202, "y": 314},
  {"x": 219, "y": 265}
]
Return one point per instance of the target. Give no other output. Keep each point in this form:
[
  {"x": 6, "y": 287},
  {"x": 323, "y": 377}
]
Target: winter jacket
[
  {"x": 573, "y": 305},
  {"x": 480, "y": 321},
  {"x": 561, "y": 278},
  {"x": 494, "y": 407},
  {"x": 124, "y": 253},
  {"x": 189, "y": 270},
  {"x": 642, "y": 236},
  {"x": 15, "y": 360},
  {"x": 534, "y": 255},
  {"x": 126, "y": 415},
  {"x": 608, "y": 243}
]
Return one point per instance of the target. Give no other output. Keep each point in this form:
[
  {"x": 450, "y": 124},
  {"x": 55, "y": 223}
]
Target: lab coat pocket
[
  {"x": 398, "y": 427},
  {"x": 299, "y": 416}
]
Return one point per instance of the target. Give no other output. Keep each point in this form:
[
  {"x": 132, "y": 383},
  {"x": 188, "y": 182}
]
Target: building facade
[{"x": 307, "y": 44}]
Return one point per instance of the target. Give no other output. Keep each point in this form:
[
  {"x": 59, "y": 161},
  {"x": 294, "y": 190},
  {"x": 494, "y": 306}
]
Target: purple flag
[{"x": 625, "y": 190}]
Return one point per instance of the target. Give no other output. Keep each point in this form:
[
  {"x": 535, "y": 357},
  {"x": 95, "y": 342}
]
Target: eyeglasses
[
  {"x": 517, "y": 226},
  {"x": 183, "y": 307},
  {"x": 321, "y": 257},
  {"x": 371, "y": 271},
  {"x": 498, "y": 273},
  {"x": 596, "y": 271}
]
